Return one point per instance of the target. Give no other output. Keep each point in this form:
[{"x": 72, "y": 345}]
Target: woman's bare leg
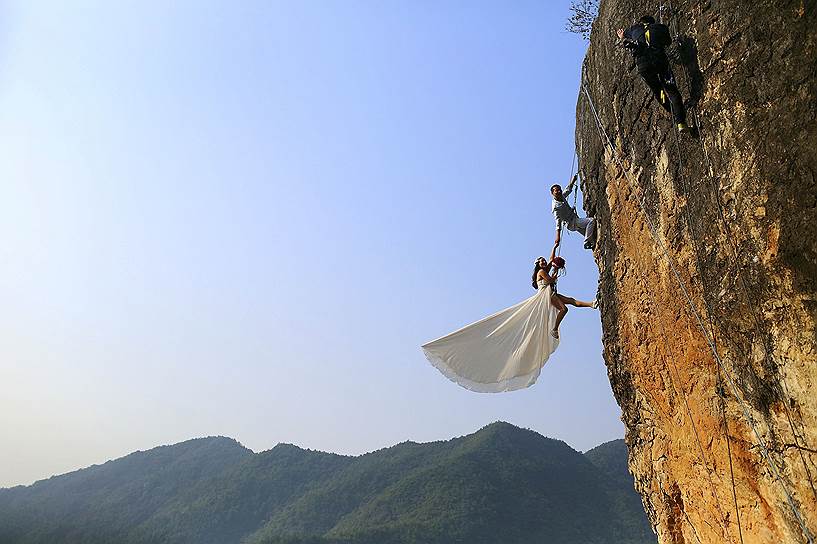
[
  {"x": 573, "y": 302},
  {"x": 562, "y": 312}
]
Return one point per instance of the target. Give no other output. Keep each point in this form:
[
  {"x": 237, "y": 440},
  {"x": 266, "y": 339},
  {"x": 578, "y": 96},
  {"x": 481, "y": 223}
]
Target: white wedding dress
[{"x": 504, "y": 351}]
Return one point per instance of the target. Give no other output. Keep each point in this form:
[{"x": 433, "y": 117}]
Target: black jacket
[{"x": 647, "y": 42}]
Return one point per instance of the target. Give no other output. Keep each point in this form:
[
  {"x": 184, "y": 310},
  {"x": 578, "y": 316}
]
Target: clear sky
[{"x": 244, "y": 218}]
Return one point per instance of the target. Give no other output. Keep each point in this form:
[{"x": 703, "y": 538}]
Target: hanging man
[
  {"x": 566, "y": 214},
  {"x": 646, "y": 40}
]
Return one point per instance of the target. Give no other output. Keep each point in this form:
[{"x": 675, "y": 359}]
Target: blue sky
[{"x": 244, "y": 218}]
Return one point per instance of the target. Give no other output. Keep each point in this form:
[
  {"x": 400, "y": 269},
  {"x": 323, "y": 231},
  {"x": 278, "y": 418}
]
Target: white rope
[
  {"x": 781, "y": 382},
  {"x": 654, "y": 231}
]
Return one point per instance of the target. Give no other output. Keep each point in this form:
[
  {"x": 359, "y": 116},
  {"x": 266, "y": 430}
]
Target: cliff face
[{"x": 736, "y": 211}]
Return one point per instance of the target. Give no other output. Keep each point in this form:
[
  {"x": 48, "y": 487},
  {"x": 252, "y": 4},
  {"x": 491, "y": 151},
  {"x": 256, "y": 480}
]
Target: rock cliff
[{"x": 707, "y": 246}]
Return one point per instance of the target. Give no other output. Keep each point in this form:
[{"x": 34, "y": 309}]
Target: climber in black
[{"x": 646, "y": 40}]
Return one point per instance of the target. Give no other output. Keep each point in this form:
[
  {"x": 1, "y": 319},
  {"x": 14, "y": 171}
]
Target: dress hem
[{"x": 511, "y": 384}]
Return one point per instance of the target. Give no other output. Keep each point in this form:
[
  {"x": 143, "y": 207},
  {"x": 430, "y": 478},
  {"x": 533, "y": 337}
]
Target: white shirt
[{"x": 562, "y": 211}]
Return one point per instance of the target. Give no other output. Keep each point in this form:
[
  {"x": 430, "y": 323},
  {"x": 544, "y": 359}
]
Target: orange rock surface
[{"x": 709, "y": 245}]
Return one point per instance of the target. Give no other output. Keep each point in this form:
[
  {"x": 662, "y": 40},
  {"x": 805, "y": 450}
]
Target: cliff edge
[{"x": 707, "y": 252}]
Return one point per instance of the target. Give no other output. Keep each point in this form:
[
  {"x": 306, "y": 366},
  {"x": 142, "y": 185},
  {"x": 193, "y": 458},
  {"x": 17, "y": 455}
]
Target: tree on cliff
[{"x": 584, "y": 13}]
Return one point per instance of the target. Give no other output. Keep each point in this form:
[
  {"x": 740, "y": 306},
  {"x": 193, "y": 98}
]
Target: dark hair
[
  {"x": 647, "y": 20},
  {"x": 536, "y": 269},
  {"x": 554, "y": 185}
]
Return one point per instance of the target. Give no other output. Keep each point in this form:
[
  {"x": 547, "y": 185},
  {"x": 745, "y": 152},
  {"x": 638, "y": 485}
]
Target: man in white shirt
[{"x": 565, "y": 214}]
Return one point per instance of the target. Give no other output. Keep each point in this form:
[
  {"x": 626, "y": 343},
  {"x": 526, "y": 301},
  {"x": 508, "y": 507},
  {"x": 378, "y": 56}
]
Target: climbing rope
[
  {"x": 721, "y": 394},
  {"x": 674, "y": 367},
  {"x": 780, "y": 382},
  {"x": 696, "y": 251},
  {"x": 699, "y": 268},
  {"x": 674, "y": 28},
  {"x": 709, "y": 340},
  {"x": 670, "y": 363}
]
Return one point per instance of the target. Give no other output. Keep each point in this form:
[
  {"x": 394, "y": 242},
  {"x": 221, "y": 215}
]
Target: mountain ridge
[{"x": 498, "y": 482}]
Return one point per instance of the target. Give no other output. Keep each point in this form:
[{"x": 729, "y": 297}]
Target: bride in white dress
[{"x": 506, "y": 350}]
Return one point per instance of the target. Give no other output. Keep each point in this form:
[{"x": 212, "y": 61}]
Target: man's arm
[
  {"x": 556, "y": 216},
  {"x": 570, "y": 186},
  {"x": 627, "y": 41}
]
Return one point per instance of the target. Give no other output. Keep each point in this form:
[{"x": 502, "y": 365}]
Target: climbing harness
[{"x": 709, "y": 340}]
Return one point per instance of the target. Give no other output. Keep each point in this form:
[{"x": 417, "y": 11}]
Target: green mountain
[
  {"x": 500, "y": 484},
  {"x": 611, "y": 458}
]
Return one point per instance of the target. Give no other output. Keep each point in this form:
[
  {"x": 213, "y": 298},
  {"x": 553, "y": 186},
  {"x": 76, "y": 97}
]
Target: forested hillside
[{"x": 500, "y": 484}]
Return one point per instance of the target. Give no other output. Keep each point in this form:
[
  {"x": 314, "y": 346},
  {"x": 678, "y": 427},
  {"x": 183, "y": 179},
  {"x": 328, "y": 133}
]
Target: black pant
[{"x": 659, "y": 78}]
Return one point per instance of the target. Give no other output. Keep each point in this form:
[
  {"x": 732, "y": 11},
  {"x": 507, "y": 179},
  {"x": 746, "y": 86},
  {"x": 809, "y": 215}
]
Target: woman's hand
[{"x": 620, "y": 33}]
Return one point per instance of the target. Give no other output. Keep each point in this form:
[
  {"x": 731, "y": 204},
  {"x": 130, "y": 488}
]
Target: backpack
[
  {"x": 657, "y": 36},
  {"x": 648, "y": 39},
  {"x": 647, "y": 42}
]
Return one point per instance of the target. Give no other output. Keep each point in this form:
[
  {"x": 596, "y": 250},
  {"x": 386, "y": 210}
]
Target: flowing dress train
[{"x": 503, "y": 352}]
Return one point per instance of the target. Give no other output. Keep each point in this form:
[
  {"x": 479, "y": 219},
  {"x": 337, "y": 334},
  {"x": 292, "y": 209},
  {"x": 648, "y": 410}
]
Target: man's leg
[
  {"x": 587, "y": 226},
  {"x": 575, "y": 225},
  {"x": 650, "y": 76},
  {"x": 590, "y": 233},
  {"x": 671, "y": 91}
]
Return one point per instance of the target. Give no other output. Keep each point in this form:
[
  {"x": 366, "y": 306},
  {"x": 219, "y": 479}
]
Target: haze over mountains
[{"x": 500, "y": 484}]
